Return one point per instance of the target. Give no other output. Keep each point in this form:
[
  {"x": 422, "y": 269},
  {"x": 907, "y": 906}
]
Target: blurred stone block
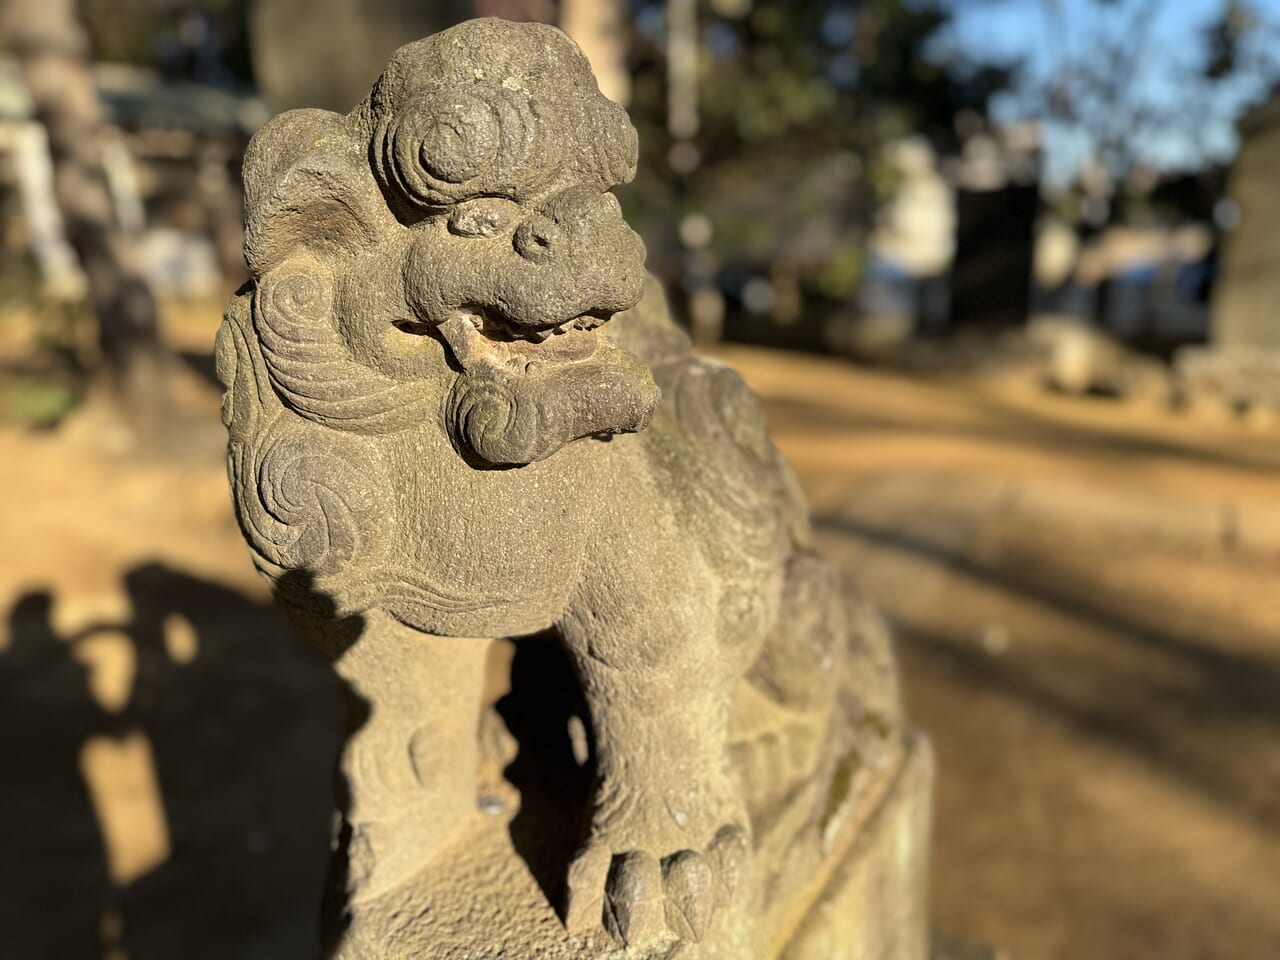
[{"x": 1245, "y": 301}]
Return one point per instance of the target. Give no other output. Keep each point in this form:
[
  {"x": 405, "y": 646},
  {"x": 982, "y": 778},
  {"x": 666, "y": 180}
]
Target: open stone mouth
[{"x": 481, "y": 334}]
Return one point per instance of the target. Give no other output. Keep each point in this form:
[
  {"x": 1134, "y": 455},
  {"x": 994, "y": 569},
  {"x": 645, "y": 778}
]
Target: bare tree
[
  {"x": 1122, "y": 94},
  {"x": 51, "y": 47}
]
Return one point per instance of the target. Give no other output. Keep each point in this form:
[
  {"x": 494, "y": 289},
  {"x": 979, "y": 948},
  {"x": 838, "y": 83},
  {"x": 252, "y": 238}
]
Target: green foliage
[
  {"x": 31, "y": 402},
  {"x": 795, "y": 77},
  {"x": 839, "y": 276},
  {"x": 796, "y": 102},
  {"x": 202, "y": 40}
]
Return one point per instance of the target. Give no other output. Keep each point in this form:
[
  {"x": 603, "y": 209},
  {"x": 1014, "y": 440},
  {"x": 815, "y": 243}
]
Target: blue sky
[
  {"x": 1041, "y": 32},
  {"x": 1014, "y": 26}
]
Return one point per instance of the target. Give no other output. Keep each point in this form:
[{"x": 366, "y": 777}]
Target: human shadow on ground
[
  {"x": 1195, "y": 731},
  {"x": 54, "y": 887},
  {"x": 243, "y": 723}
]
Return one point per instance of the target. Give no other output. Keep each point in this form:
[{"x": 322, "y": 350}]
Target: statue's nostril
[{"x": 536, "y": 239}]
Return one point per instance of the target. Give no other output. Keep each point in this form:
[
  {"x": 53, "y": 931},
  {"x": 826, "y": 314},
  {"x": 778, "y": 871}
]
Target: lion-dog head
[{"x": 442, "y": 256}]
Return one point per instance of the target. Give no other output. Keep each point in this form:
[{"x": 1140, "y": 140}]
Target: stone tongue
[{"x": 511, "y": 418}]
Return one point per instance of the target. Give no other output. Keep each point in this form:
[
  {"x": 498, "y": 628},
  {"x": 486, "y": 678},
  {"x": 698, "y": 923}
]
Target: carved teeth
[{"x": 497, "y": 327}]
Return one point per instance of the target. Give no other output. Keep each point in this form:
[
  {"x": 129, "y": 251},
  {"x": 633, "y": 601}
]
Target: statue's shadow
[{"x": 544, "y": 699}]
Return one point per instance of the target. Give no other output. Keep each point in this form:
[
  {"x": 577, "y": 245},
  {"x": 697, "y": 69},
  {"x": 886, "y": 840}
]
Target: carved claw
[
  {"x": 584, "y": 897},
  {"x": 690, "y": 888},
  {"x": 637, "y": 898},
  {"x": 634, "y": 911},
  {"x": 728, "y": 853}
]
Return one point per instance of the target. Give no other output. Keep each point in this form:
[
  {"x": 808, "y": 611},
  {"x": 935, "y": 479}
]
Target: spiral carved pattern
[
  {"x": 501, "y": 426},
  {"x": 311, "y": 366},
  {"x": 300, "y": 296},
  {"x": 448, "y": 145},
  {"x": 312, "y": 503}
]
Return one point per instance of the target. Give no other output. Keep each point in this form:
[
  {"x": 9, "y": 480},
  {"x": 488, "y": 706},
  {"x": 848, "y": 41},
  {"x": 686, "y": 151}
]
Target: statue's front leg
[
  {"x": 668, "y": 834},
  {"x": 406, "y": 777}
]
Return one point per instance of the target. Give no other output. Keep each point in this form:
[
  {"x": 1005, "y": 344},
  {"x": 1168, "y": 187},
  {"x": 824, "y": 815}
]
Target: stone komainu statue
[{"x": 435, "y": 443}]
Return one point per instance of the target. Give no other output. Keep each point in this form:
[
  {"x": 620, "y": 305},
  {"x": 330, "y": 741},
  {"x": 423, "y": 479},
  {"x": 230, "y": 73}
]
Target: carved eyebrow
[{"x": 483, "y": 216}]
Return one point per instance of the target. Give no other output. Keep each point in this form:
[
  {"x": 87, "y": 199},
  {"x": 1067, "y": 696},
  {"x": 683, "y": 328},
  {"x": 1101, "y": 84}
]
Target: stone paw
[{"x": 638, "y": 897}]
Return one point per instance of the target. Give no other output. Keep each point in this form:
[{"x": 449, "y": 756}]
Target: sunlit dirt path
[{"x": 1083, "y": 596}]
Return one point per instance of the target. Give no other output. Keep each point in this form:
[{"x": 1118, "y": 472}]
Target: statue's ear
[{"x": 308, "y": 186}]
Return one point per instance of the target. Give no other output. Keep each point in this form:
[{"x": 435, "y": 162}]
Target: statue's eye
[{"x": 483, "y": 217}]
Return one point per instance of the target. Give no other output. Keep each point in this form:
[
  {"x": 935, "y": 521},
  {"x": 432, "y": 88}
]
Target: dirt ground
[{"x": 1083, "y": 595}]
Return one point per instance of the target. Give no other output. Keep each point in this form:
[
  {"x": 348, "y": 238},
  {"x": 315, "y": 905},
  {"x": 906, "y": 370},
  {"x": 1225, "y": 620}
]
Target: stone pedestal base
[
  {"x": 875, "y": 904},
  {"x": 866, "y": 899}
]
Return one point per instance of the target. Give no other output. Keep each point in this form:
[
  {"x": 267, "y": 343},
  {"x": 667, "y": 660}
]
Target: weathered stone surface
[{"x": 434, "y": 445}]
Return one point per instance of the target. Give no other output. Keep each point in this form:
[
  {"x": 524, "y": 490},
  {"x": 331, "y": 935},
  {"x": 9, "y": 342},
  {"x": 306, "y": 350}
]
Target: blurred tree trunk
[
  {"x": 600, "y": 28},
  {"x": 327, "y": 53},
  {"x": 543, "y": 11},
  {"x": 1246, "y": 298},
  {"x": 51, "y": 48}
]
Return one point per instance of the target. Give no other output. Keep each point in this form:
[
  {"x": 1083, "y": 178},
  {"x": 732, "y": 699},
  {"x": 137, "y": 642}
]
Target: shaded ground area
[{"x": 1085, "y": 621}]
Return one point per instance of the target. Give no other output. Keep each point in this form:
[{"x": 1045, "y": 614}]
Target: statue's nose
[
  {"x": 578, "y": 216},
  {"x": 538, "y": 238}
]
